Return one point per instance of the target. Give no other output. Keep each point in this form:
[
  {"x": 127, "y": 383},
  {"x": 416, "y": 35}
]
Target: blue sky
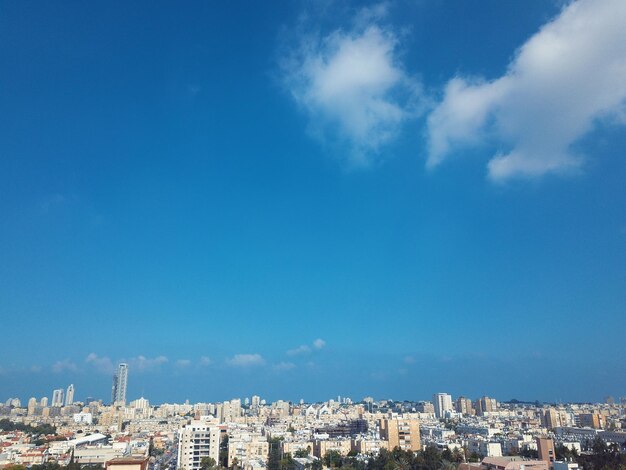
[{"x": 302, "y": 200}]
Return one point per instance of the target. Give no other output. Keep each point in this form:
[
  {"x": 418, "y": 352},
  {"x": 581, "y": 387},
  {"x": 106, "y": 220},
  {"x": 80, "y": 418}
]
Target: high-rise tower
[
  {"x": 120, "y": 381},
  {"x": 69, "y": 395},
  {"x": 57, "y": 397}
]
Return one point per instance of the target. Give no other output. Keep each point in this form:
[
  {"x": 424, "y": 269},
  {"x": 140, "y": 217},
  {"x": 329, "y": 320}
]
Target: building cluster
[{"x": 243, "y": 434}]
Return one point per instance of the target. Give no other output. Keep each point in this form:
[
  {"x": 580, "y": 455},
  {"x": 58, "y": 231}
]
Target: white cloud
[
  {"x": 140, "y": 363},
  {"x": 564, "y": 79},
  {"x": 352, "y": 85},
  {"x": 283, "y": 366},
  {"x": 182, "y": 363},
  {"x": 205, "y": 361},
  {"x": 302, "y": 349},
  {"x": 102, "y": 364},
  {"x": 63, "y": 366},
  {"x": 246, "y": 360},
  {"x": 143, "y": 364},
  {"x": 306, "y": 349}
]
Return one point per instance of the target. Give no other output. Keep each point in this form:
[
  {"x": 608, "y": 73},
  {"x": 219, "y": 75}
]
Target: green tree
[
  {"x": 208, "y": 463},
  {"x": 15, "y": 467},
  {"x": 46, "y": 466},
  {"x": 274, "y": 457},
  {"x": 333, "y": 459},
  {"x": 223, "y": 457}
]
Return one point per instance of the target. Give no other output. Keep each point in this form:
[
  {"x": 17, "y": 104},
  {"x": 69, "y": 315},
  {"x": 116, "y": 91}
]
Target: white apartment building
[
  {"x": 197, "y": 440},
  {"x": 484, "y": 448},
  {"x": 442, "y": 403}
]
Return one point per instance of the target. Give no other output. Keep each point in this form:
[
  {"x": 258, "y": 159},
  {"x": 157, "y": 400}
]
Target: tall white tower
[
  {"x": 69, "y": 395},
  {"x": 57, "y": 397},
  {"x": 120, "y": 382}
]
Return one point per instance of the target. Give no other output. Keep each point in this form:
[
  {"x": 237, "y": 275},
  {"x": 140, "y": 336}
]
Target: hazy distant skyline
[{"x": 301, "y": 200}]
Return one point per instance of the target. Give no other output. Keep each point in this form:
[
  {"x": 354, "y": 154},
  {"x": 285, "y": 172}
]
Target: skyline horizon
[{"x": 143, "y": 394}]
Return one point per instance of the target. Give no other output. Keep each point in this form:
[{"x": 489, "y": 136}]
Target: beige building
[
  {"x": 247, "y": 446},
  {"x": 322, "y": 446},
  {"x": 545, "y": 447},
  {"x": 127, "y": 464},
  {"x": 591, "y": 420},
  {"x": 464, "y": 406},
  {"x": 511, "y": 463},
  {"x": 292, "y": 447},
  {"x": 402, "y": 433},
  {"x": 367, "y": 446},
  {"x": 486, "y": 405}
]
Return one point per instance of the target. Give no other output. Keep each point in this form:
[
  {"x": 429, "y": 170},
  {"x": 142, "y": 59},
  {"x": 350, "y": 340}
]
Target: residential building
[
  {"x": 402, "y": 433},
  {"x": 442, "y": 403},
  {"x": 545, "y": 447},
  {"x": 128, "y": 463},
  {"x": 197, "y": 440},
  {"x": 464, "y": 406}
]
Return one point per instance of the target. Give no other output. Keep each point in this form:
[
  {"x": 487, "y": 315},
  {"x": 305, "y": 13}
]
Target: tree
[
  {"x": 46, "y": 466},
  {"x": 207, "y": 463},
  {"x": 332, "y": 458},
  {"x": 273, "y": 459},
  {"x": 15, "y": 467},
  {"x": 223, "y": 457}
]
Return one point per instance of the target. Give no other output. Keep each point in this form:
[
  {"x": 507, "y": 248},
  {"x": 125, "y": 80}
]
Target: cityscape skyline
[
  {"x": 441, "y": 401},
  {"x": 305, "y": 199}
]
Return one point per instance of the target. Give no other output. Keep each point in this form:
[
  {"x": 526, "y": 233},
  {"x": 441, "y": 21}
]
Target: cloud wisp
[
  {"x": 564, "y": 79},
  {"x": 102, "y": 364},
  {"x": 64, "y": 365},
  {"x": 246, "y": 360},
  {"x": 352, "y": 85},
  {"x": 304, "y": 349}
]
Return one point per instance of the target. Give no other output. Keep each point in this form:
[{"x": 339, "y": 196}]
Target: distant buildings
[
  {"x": 464, "y": 406},
  {"x": 120, "y": 382},
  {"x": 486, "y": 405}
]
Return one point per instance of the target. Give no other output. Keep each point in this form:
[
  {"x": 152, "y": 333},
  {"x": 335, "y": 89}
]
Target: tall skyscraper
[
  {"x": 120, "y": 382},
  {"x": 57, "y": 397},
  {"x": 69, "y": 395},
  {"x": 443, "y": 403}
]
